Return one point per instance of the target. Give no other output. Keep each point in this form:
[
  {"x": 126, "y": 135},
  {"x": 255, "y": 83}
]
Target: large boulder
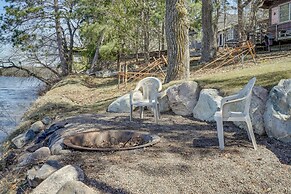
[
  {"x": 208, "y": 103},
  {"x": 58, "y": 179},
  {"x": 121, "y": 104},
  {"x": 183, "y": 97},
  {"x": 164, "y": 101},
  {"x": 76, "y": 187},
  {"x": 278, "y": 112},
  {"x": 257, "y": 109}
]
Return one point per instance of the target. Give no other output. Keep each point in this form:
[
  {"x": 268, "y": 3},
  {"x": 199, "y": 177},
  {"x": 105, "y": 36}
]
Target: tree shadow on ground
[
  {"x": 105, "y": 188},
  {"x": 280, "y": 149}
]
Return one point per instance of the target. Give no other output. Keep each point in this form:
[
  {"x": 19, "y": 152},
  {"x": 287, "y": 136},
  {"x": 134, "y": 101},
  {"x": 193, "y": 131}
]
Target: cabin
[
  {"x": 279, "y": 29},
  {"x": 227, "y": 36}
]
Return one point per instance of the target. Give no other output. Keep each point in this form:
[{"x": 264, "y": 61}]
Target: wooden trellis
[
  {"x": 154, "y": 68},
  {"x": 229, "y": 56}
]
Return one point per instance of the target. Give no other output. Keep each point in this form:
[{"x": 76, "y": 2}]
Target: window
[
  {"x": 230, "y": 34},
  {"x": 285, "y": 12}
]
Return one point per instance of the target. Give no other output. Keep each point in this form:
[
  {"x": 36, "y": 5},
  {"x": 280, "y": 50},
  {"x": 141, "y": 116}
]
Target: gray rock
[
  {"x": 30, "y": 177},
  {"x": 36, "y": 175},
  {"x": 58, "y": 179},
  {"x": 19, "y": 141},
  {"x": 22, "y": 139},
  {"x": 278, "y": 112},
  {"x": 37, "y": 127},
  {"x": 22, "y": 157},
  {"x": 105, "y": 73},
  {"x": 257, "y": 109},
  {"x": 208, "y": 103},
  {"x": 164, "y": 101},
  {"x": 45, "y": 171},
  {"x": 121, "y": 104},
  {"x": 46, "y": 120},
  {"x": 76, "y": 187},
  {"x": 39, "y": 155},
  {"x": 57, "y": 148},
  {"x": 183, "y": 97},
  {"x": 30, "y": 135}
]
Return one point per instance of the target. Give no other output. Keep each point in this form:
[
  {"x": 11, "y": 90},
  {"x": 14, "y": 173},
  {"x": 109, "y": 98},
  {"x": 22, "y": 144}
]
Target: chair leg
[
  {"x": 141, "y": 112},
  {"x": 219, "y": 124},
  {"x": 251, "y": 132},
  {"x": 156, "y": 113},
  {"x": 130, "y": 116},
  {"x": 159, "y": 113}
]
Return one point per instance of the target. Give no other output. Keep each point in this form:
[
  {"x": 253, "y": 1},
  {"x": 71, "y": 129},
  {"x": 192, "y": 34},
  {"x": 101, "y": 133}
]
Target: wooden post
[
  {"x": 119, "y": 76},
  {"x": 119, "y": 69},
  {"x": 125, "y": 76}
]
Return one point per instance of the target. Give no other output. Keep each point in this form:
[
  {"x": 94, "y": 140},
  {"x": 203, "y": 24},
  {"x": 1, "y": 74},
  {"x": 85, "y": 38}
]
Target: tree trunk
[
  {"x": 146, "y": 33},
  {"x": 215, "y": 23},
  {"x": 224, "y": 22},
  {"x": 163, "y": 36},
  {"x": 136, "y": 43},
  {"x": 240, "y": 22},
  {"x": 208, "y": 39},
  {"x": 240, "y": 19},
  {"x": 177, "y": 38},
  {"x": 94, "y": 66},
  {"x": 64, "y": 63}
]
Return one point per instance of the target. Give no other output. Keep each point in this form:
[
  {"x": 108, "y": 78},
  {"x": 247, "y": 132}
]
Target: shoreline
[{"x": 18, "y": 94}]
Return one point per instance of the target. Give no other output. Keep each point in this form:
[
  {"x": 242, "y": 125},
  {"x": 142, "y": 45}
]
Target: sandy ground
[{"x": 187, "y": 160}]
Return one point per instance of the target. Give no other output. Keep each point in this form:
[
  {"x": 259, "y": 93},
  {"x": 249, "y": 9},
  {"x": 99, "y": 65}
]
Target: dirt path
[{"x": 187, "y": 160}]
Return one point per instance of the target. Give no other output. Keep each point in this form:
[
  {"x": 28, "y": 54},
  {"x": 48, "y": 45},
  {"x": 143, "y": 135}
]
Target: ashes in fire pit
[{"x": 110, "y": 140}]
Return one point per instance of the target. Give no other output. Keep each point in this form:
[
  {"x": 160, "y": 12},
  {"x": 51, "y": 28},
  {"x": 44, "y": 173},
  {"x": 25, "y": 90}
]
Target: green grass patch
[{"x": 268, "y": 74}]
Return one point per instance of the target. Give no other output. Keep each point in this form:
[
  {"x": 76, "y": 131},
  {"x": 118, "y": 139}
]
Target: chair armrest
[
  {"x": 231, "y": 99},
  {"x": 131, "y": 95},
  {"x": 228, "y": 98}
]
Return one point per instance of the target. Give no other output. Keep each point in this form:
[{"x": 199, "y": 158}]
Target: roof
[{"x": 269, "y": 3}]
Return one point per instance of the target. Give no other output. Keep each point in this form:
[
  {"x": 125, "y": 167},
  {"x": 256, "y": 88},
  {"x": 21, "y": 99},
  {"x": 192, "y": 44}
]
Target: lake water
[{"x": 16, "y": 95}]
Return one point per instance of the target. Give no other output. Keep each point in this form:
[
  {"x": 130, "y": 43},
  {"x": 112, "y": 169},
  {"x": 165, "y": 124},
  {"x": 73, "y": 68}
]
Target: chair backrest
[
  {"x": 150, "y": 87},
  {"x": 246, "y": 93}
]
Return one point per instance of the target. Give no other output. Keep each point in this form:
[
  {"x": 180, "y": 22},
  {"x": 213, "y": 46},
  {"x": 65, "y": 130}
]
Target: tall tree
[
  {"x": 177, "y": 27},
  {"x": 59, "y": 35},
  {"x": 46, "y": 30},
  {"x": 253, "y": 18},
  {"x": 208, "y": 36},
  {"x": 241, "y": 4}
]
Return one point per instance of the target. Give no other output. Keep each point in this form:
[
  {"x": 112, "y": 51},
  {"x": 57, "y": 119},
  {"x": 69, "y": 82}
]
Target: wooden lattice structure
[
  {"x": 154, "y": 69},
  {"x": 230, "y": 56}
]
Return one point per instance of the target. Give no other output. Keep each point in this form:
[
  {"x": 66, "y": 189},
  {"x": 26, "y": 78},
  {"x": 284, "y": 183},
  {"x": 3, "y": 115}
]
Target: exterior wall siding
[{"x": 278, "y": 29}]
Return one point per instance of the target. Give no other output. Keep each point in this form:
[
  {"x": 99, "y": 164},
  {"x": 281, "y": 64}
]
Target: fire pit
[{"x": 110, "y": 140}]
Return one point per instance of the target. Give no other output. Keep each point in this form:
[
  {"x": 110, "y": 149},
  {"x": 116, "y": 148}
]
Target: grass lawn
[{"x": 268, "y": 74}]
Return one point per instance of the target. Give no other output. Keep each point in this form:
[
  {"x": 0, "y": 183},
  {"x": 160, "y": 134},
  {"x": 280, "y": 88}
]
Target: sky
[{"x": 2, "y": 4}]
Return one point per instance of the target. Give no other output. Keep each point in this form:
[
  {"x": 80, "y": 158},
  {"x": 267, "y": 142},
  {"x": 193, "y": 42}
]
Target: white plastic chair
[
  {"x": 150, "y": 86},
  {"x": 224, "y": 114}
]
